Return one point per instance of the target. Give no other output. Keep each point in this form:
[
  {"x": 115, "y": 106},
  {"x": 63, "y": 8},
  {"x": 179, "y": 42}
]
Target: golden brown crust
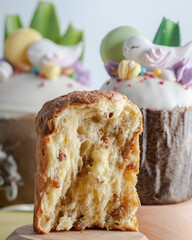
[
  {"x": 40, "y": 180},
  {"x": 44, "y": 120},
  {"x": 45, "y": 126}
]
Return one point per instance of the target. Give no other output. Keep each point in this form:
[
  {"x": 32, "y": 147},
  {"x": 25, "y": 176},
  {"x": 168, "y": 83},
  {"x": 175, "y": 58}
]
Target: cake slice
[{"x": 87, "y": 162}]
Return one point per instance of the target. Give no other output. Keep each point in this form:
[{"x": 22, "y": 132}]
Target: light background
[{"x": 98, "y": 17}]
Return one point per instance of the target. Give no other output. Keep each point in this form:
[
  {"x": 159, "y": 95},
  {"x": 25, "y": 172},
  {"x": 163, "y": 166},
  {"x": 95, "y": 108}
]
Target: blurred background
[{"x": 98, "y": 17}]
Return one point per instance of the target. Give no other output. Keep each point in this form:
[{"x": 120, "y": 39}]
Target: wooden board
[
  {"x": 172, "y": 222},
  {"x": 26, "y": 232}
]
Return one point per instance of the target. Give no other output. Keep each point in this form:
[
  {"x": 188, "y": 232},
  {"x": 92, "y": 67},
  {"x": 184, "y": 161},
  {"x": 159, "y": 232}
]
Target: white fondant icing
[
  {"x": 23, "y": 94},
  {"x": 150, "y": 94},
  {"x": 153, "y": 56},
  {"x": 44, "y": 50}
]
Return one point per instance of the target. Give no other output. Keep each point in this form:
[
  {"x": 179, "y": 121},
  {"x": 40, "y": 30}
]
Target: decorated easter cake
[
  {"x": 157, "y": 77},
  {"x": 38, "y": 65}
]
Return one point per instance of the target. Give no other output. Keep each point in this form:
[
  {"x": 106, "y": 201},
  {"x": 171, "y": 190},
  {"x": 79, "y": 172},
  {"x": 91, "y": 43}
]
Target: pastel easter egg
[
  {"x": 6, "y": 71},
  {"x": 112, "y": 45},
  {"x": 18, "y": 43}
]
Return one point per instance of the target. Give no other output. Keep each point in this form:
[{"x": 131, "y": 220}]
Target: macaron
[
  {"x": 17, "y": 44},
  {"x": 112, "y": 45}
]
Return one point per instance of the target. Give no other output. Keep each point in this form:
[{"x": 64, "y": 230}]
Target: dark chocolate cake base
[
  {"x": 165, "y": 175},
  {"x": 18, "y": 140}
]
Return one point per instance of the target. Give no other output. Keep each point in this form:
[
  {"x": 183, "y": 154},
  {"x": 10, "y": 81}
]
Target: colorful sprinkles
[
  {"x": 115, "y": 88},
  {"x": 42, "y": 76},
  {"x": 118, "y": 80},
  {"x": 158, "y": 74},
  {"x": 162, "y": 82},
  {"x": 35, "y": 70},
  {"x": 42, "y": 84},
  {"x": 152, "y": 75},
  {"x": 143, "y": 79},
  {"x": 18, "y": 72}
]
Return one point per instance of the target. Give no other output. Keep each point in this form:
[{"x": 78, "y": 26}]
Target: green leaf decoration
[
  {"x": 168, "y": 34},
  {"x": 72, "y": 36},
  {"x": 46, "y": 22},
  {"x": 12, "y": 23}
]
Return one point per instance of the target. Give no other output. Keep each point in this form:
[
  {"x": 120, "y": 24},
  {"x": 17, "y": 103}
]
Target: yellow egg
[
  {"x": 17, "y": 44},
  {"x": 50, "y": 70},
  {"x": 158, "y": 72}
]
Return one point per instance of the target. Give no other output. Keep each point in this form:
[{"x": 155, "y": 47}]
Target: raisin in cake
[{"x": 87, "y": 162}]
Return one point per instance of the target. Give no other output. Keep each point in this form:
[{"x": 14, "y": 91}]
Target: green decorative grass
[
  {"x": 168, "y": 34},
  {"x": 46, "y": 22},
  {"x": 72, "y": 36},
  {"x": 12, "y": 23}
]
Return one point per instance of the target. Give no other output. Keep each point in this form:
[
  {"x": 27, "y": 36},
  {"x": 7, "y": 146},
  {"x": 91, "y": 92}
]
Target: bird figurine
[
  {"x": 44, "y": 51},
  {"x": 153, "y": 56}
]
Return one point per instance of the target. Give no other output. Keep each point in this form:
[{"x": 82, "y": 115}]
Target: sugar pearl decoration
[
  {"x": 158, "y": 72},
  {"x": 168, "y": 75},
  {"x": 6, "y": 71},
  {"x": 143, "y": 71}
]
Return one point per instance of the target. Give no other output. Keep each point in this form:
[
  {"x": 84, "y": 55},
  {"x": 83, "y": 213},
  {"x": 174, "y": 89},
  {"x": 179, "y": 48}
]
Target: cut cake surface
[{"x": 87, "y": 162}]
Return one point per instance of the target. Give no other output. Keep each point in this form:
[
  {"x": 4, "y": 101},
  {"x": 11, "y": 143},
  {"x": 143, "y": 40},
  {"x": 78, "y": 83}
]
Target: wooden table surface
[
  {"x": 26, "y": 232},
  {"x": 166, "y": 222}
]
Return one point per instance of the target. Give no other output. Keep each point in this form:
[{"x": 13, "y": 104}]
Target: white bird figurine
[
  {"x": 44, "y": 51},
  {"x": 153, "y": 56}
]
